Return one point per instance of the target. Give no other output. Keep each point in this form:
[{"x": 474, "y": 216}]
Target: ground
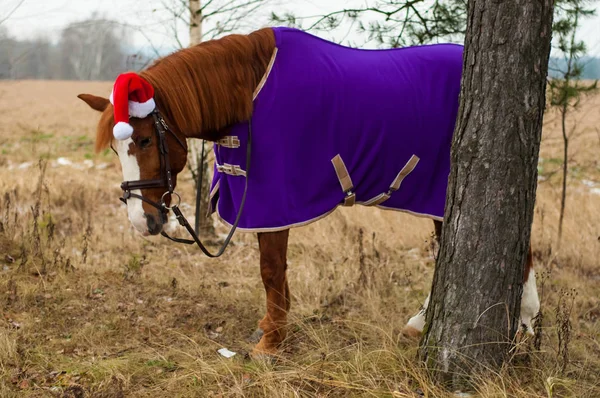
[{"x": 89, "y": 307}]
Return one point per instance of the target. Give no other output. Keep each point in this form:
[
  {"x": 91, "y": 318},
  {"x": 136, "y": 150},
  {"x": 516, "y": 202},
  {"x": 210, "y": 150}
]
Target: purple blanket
[{"x": 336, "y": 126}]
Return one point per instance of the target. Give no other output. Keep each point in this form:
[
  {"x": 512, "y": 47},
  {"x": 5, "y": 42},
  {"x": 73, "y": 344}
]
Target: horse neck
[{"x": 229, "y": 70}]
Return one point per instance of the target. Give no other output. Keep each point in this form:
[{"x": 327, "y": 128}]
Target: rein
[{"x": 166, "y": 180}]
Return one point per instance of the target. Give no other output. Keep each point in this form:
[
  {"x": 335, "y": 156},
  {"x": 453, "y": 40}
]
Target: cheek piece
[{"x": 166, "y": 176}]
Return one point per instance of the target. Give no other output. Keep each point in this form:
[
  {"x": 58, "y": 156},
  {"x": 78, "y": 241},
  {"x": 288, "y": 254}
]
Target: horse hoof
[
  {"x": 411, "y": 333},
  {"x": 263, "y": 354},
  {"x": 256, "y": 336},
  {"x": 525, "y": 332}
]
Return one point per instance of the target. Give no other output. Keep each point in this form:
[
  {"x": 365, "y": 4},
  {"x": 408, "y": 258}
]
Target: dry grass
[{"x": 91, "y": 308}]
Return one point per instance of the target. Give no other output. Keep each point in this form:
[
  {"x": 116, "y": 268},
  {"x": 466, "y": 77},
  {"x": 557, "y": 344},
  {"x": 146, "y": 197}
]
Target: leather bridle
[
  {"x": 166, "y": 181},
  {"x": 166, "y": 176}
]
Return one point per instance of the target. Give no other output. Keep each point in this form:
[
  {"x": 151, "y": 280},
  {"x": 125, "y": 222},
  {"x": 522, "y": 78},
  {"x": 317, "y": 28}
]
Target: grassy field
[{"x": 89, "y": 307}]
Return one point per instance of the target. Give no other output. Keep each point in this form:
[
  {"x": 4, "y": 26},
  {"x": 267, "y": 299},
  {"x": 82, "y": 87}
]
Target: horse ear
[{"x": 96, "y": 103}]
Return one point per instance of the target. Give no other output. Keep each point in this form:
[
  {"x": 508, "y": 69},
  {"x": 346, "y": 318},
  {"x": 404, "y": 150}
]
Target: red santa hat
[{"x": 131, "y": 96}]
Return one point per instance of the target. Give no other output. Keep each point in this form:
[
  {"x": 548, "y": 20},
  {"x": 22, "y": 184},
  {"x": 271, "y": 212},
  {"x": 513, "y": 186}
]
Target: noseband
[{"x": 166, "y": 181}]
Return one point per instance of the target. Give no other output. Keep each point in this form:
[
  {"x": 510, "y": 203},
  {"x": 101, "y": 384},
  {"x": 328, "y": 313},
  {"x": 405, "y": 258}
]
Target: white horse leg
[
  {"x": 530, "y": 302},
  {"x": 530, "y": 306},
  {"x": 414, "y": 326}
]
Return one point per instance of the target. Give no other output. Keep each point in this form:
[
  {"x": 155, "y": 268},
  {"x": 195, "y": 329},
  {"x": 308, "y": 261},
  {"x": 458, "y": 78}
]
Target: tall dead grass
[{"x": 91, "y": 308}]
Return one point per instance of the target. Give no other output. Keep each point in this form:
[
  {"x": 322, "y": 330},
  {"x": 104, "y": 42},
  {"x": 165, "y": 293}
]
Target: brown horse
[{"x": 201, "y": 92}]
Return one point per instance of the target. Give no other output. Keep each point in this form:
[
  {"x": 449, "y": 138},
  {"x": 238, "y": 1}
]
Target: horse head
[
  {"x": 203, "y": 102},
  {"x": 150, "y": 161}
]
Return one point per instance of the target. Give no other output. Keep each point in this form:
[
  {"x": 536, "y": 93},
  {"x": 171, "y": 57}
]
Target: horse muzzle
[{"x": 155, "y": 224}]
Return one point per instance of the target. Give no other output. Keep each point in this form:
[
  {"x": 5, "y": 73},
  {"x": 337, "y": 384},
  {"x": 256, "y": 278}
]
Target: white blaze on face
[{"x": 131, "y": 172}]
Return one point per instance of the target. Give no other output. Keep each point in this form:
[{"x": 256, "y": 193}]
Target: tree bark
[
  {"x": 473, "y": 313},
  {"x": 195, "y": 22}
]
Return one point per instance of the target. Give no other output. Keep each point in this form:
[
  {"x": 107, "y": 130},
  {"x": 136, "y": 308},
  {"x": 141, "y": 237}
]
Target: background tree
[
  {"x": 207, "y": 20},
  {"x": 8, "y": 54},
  {"x": 93, "y": 49},
  {"x": 27, "y": 59},
  {"x": 10, "y": 9},
  {"x": 390, "y": 23},
  {"x": 473, "y": 313},
  {"x": 566, "y": 88}
]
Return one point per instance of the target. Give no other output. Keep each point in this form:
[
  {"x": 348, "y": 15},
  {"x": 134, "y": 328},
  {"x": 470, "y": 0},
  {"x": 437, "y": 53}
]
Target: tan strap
[
  {"x": 230, "y": 169},
  {"x": 342, "y": 173},
  {"x": 214, "y": 190},
  {"x": 345, "y": 181},
  {"x": 211, "y": 195},
  {"x": 263, "y": 80},
  {"x": 406, "y": 170},
  {"x": 377, "y": 200},
  {"x": 350, "y": 199},
  {"x": 229, "y": 141}
]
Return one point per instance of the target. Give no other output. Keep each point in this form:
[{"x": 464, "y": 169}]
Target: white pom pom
[
  {"x": 122, "y": 131},
  {"x": 141, "y": 109}
]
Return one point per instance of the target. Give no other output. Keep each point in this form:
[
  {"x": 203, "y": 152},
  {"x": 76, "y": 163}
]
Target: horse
[{"x": 324, "y": 122}]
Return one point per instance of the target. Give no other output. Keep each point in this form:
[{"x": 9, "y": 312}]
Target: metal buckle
[
  {"x": 162, "y": 121},
  {"x": 224, "y": 168},
  {"x": 350, "y": 198},
  {"x": 230, "y": 141},
  {"x": 162, "y": 200},
  {"x": 231, "y": 169}
]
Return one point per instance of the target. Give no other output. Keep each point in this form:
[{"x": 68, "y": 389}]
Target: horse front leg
[{"x": 273, "y": 265}]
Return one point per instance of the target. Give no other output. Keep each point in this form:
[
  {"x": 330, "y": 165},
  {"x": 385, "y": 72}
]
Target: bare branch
[
  {"x": 348, "y": 11},
  {"x": 11, "y": 12},
  {"x": 206, "y": 5}
]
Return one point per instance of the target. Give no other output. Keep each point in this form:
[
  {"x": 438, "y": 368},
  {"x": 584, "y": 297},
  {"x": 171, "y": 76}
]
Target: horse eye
[{"x": 145, "y": 142}]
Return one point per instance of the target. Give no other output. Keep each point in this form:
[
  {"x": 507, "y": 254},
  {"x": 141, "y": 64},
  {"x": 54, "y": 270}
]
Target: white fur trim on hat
[
  {"x": 138, "y": 109},
  {"x": 122, "y": 131},
  {"x": 141, "y": 109}
]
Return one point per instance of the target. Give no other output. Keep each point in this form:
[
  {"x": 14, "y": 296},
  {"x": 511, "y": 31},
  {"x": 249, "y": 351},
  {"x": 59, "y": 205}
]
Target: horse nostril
[{"x": 154, "y": 227}]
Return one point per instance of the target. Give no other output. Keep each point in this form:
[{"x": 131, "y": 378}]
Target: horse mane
[
  {"x": 203, "y": 89},
  {"x": 104, "y": 133}
]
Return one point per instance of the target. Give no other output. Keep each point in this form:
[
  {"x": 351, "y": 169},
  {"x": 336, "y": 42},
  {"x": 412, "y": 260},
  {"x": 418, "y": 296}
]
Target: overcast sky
[{"x": 47, "y": 18}]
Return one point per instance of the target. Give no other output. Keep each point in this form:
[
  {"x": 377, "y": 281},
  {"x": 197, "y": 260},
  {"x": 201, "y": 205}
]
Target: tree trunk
[
  {"x": 195, "y": 22},
  {"x": 565, "y": 171},
  {"x": 194, "y": 158},
  {"x": 563, "y": 117},
  {"x": 473, "y": 313}
]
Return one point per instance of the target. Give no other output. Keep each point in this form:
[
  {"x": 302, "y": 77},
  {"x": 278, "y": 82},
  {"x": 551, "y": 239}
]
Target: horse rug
[{"x": 334, "y": 125}]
